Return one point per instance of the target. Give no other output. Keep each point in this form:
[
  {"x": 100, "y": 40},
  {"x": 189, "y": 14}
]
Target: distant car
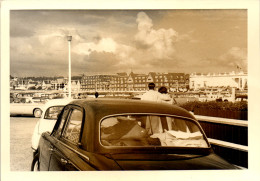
[
  {"x": 117, "y": 134},
  {"x": 40, "y": 99},
  {"x": 26, "y": 106},
  {"x": 50, "y": 113}
]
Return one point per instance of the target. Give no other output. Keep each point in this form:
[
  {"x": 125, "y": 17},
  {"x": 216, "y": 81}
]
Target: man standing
[{"x": 151, "y": 94}]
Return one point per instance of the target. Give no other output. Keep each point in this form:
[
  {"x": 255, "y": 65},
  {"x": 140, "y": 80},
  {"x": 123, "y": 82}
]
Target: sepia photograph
[{"x": 120, "y": 87}]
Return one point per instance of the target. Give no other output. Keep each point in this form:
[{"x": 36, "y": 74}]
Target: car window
[
  {"x": 150, "y": 130},
  {"x": 53, "y": 112},
  {"x": 72, "y": 130},
  {"x": 63, "y": 118}
]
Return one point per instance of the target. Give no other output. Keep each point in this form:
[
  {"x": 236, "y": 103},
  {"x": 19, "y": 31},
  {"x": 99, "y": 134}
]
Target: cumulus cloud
[
  {"x": 102, "y": 45},
  {"x": 235, "y": 56},
  {"x": 108, "y": 43},
  {"x": 151, "y": 48},
  {"x": 160, "y": 43}
]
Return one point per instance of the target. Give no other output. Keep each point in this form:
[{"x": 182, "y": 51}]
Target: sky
[{"x": 114, "y": 41}]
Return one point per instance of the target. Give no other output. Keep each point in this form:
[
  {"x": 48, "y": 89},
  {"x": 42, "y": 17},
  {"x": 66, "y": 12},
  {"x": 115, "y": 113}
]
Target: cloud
[
  {"x": 159, "y": 43},
  {"x": 100, "y": 50},
  {"x": 113, "y": 41},
  {"x": 151, "y": 48},
  {"x": 235, "y": 56},
  {"x": 99, "y": 62},
  {"x": 100, "y": 45},
  {"x": 21, "y": 32}
]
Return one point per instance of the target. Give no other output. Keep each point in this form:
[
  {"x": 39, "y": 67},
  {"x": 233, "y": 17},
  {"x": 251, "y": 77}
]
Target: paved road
[{"x": 21, "y": 129}]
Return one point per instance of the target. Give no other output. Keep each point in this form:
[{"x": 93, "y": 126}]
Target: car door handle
[{"x": 64, "y": 161}]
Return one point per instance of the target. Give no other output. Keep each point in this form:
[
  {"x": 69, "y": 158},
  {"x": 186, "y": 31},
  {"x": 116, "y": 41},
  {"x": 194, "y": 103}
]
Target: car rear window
[{"x": 150, "y": 130}]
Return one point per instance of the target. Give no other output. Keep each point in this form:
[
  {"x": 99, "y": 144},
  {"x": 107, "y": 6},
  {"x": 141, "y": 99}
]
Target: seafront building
[
  {"x": 120, "y": 82},
  {"x": 238, "y": 80},
  {"x": 134, "y": 82}
]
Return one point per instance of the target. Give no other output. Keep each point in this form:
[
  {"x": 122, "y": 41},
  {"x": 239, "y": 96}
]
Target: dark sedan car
[{"x": 106, "y": 134}]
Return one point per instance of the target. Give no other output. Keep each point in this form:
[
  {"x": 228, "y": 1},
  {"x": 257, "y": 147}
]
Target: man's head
[
  {"x": 163, "y": 90},
  {"x": 151, "y": 86}
]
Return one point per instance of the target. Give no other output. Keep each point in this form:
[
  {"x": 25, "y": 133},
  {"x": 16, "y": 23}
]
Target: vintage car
[
  {"x": 110, "y": 134},
  {"x": 26, "y": 106},
  {"x": 49, "y": 116}
]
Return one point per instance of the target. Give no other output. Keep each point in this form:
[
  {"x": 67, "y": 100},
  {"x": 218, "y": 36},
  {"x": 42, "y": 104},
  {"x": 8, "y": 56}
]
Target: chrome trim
[
  {"x": 111, "y": 115},
  {"x": 157, "y": 114},
  {"x": 72, "y": 149}
]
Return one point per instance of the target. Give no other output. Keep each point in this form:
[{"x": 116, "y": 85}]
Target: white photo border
[{"x": 252, "y": 6}]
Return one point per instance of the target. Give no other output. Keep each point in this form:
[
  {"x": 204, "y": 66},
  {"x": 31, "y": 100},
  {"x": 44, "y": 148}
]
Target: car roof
[
  {"x": 108, "y": 106},
  {"x": 98, "y": 108},
  {"x": 56, "y": 102}
]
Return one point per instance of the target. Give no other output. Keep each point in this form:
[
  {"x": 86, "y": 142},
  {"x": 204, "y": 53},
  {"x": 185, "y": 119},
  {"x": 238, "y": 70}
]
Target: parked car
[
  {"x": 117, "y": 134},
  {"x": 50, "y": 113},
  {"x": 26, "y": 106},
  {"x": 40, "y": 99}
]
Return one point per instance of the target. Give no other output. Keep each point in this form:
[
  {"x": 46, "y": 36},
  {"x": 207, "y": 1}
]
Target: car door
[
  {"x": 67, "y": 142},
  {"x": 47, "y": 141},
  {"x": 45, "y": 147}
]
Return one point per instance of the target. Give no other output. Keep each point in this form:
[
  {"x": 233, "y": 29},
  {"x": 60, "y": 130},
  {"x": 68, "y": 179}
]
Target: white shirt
[
  {"x": 165, "y": 98},
  {"x": 151, "y": 95}
]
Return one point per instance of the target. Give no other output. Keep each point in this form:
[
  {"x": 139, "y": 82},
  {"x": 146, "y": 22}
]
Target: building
[
  {"x": 95, "y": 82},
  {"x": 221, "y": 80},
  {"x": 175, "y": 82},
  {"x": 134, "y": 82},
  {"x": 46, "y": 84},
  {"x": 59, "y": 84},
  {"x": 62, "y": 84},
  {"x": 75, "y": 85},
  {"x": 119, "y": 82}
]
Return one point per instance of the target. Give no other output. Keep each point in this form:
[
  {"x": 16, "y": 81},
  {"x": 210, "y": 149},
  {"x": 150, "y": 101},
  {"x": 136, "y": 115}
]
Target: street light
[{"x": 69, "y": 38}]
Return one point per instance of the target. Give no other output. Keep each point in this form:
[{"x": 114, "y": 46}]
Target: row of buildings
[
  {"x": 54, "y": 84},
  {"x": 135, "y": 82},
  {"x": 175, "y": 82}
]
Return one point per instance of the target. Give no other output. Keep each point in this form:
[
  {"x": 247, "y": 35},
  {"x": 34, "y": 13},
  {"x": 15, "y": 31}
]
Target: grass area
[{"x": 21, "y": 129}]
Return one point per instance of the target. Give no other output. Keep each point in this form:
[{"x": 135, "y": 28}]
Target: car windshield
[
  {"x": 150, "y": 130},
  {"x": 53, "y": 112}
]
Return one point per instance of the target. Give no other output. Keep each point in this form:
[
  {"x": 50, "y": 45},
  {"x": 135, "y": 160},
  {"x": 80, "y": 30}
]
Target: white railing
[
  {"x": 234, "y": 122},
  {"x": 227, "y": 121},
  {"x": 228, "y": 145}
]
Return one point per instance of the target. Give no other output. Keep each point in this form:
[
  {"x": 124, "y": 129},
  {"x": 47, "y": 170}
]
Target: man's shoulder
[
  {"x": 151, "y": 92},
  {"x": 150, "y": 95}
]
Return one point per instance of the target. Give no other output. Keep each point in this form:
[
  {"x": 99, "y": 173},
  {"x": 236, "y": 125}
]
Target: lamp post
[{"x": 69, "y": 38}]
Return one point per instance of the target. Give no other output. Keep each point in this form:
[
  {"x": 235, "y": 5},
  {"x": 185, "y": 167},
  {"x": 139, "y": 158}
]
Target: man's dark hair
[{"x": 151, "y": 86}]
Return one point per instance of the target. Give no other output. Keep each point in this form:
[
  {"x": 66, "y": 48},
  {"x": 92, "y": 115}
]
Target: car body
[
  {"x": 49, "y": 116},
  {"x": 110, "y": 134},
  {"x": 26, "y": 106}
]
